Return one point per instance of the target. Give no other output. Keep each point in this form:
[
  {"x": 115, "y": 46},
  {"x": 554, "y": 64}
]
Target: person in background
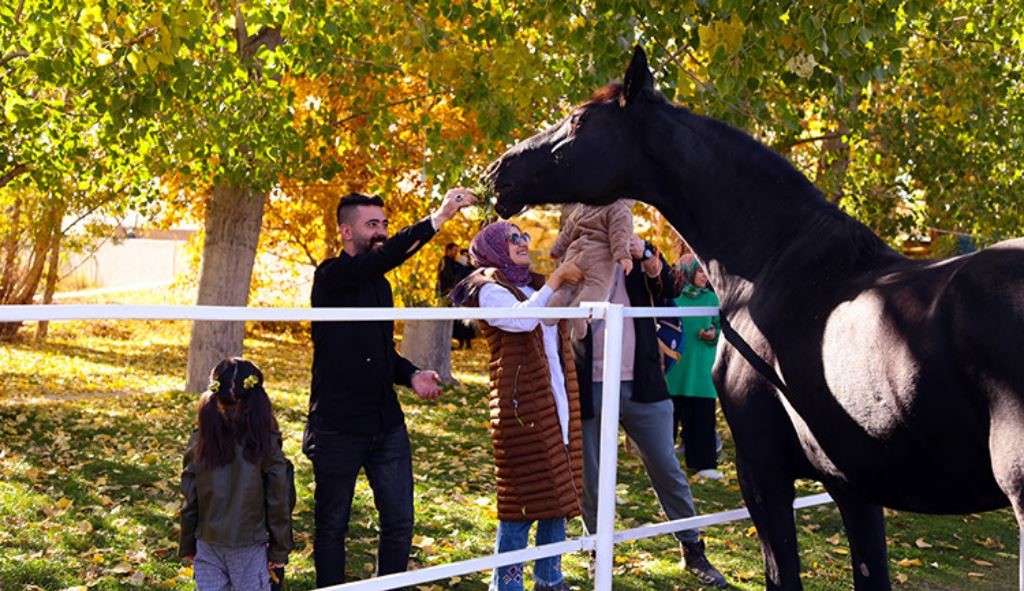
[
  {"x": 450, "y": 270},
  {"x": 534, "y": 402},
  {"x": 645, "y": 409},
  {"x": 447, "y": 270},
  {"x": 236, "y": 523},
  {"x": 355, "y": 421},
  {"x": 689, "y": 380}
]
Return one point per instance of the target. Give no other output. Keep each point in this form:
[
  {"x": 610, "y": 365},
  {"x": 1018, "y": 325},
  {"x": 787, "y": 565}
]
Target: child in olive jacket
[{"x": 236, "y": 524}]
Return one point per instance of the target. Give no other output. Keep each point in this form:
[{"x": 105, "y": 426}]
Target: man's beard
[{"x": 370, "y": 244}]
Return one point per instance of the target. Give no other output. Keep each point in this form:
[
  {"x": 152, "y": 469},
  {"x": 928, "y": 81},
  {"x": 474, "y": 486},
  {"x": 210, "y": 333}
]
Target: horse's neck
[{"x": 744, "y": 209}]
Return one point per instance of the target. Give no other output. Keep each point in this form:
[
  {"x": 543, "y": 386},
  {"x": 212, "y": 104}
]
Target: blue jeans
[
  {"x": 337, "y": 459},
  {"x": 513, "y": 535}
]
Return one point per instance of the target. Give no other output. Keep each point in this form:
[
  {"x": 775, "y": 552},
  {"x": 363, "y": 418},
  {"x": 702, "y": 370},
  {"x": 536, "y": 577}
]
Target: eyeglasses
[{"x": 516, "y": 238}]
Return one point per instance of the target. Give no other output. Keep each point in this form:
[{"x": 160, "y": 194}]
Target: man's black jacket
[
  {"x": 648, "y": 374},
  {"x": 355, "y": 364}
]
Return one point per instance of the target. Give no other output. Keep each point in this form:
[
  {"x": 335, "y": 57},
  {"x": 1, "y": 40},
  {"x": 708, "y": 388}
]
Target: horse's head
[{"x": 594, "y": 155}]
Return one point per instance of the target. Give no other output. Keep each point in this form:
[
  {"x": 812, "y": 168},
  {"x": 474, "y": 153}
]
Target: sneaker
[
  {"x": 695, "y": 561},
  {"x": 710, "y": 474},
  {"x": 559, "y": 586}
]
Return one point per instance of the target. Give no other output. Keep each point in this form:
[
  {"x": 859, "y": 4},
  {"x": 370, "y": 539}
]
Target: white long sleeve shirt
[{"x": 496, "y": 296}]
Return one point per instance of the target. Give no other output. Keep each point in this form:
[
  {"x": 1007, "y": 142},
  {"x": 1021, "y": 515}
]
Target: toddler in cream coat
[{"x": 596, "y": 237}]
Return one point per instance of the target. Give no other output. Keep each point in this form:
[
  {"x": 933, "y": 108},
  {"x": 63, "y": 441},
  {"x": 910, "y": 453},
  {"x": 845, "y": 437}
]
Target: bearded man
[{"x": 355, "y": 421}]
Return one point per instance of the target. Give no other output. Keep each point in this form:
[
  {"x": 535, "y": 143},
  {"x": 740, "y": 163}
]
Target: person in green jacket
[{"x": 689, "y": 380}]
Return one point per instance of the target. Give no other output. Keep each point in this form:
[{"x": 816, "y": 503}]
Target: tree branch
[
  {"x": 12, "y": 173},
  {"x": 145, "y": 34},
  {"x": 13, "y": 55},
  {"x": 807, "y": 140},
  {"x": 411, "y": 99}
]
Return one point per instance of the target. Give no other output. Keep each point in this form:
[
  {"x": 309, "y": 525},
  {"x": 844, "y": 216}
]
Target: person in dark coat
[
  {"x": 355, "y": 420},
  {"x": 645, "y": 410},
  {"x": 451, "y": 270}
]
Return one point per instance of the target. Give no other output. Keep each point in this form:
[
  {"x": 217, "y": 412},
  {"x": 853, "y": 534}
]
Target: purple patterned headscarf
[{"x": 489, "y": 248}]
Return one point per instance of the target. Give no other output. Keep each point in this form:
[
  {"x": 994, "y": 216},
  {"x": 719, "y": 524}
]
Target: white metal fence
[{"x": 602, "y": 542}]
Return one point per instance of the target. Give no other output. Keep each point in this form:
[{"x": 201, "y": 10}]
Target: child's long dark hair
[{"x": 235, "y": 409}]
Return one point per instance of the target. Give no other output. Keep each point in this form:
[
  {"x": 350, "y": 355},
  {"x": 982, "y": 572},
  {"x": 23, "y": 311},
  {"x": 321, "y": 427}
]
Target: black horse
[{"x": 894, "y": 382}]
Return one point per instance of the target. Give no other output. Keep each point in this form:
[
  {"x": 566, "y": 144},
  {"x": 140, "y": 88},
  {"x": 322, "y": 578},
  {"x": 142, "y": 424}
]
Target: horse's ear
[{"x": 638, "y": 78}]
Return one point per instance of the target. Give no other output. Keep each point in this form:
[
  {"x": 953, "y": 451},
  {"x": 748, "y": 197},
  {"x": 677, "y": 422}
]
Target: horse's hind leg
[
  {"x": 865, "y": 529},
  {"x": 1006, "y": 444},
  {"x": 769, "y": 496}
]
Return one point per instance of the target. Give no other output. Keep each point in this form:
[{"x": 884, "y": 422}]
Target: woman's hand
[
  {"x": 568, "y": 272},
  {"x": 627, "y": 265},
  {"x": 707, "y": 334}
]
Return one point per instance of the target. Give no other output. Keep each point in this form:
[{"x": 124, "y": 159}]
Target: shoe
[
  {"x": 695, "y": 561},
  {"x": 710, "y": 474},
  {"x": 559, "y": 586}
]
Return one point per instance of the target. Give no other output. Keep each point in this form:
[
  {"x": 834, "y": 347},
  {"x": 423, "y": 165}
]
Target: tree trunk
[
  {"x": 834, "y": 161},
  {"x": 428, "y": 344},
  {"x": 233, "y": 219},
  {"x": 52, "y": 268},
  {"x": 20, "y": 281}
]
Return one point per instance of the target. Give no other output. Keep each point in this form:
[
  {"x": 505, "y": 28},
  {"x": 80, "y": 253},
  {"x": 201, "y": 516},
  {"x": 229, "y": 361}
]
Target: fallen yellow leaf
[
  {"x": 907, "y": 562},
  {"x": 920, "y": 543}
]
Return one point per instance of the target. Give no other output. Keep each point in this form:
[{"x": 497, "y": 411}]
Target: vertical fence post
[{"x": 605, "y": 545}]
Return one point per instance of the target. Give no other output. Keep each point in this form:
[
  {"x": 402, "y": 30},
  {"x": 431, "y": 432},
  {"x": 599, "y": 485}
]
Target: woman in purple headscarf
[{"x": 534, "y": 402}]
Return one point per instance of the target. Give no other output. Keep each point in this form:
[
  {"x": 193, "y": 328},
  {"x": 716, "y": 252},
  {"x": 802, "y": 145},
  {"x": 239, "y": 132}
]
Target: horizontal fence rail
[
  {"x": 58, "y": 312},
  {"x": 602, "y": 543}
]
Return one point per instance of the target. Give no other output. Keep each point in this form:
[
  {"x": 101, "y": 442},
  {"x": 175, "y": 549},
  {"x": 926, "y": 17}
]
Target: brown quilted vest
[{"x": 538, "y": 477}]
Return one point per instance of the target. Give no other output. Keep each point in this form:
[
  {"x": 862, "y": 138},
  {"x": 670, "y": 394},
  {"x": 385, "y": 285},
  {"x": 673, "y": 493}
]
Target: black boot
[{"x": 695, "y": 561}]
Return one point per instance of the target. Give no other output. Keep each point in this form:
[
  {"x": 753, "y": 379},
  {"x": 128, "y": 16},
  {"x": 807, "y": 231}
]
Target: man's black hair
[
  {"x": 450, "y": 246},
  {"x": 352, "y": 200}
]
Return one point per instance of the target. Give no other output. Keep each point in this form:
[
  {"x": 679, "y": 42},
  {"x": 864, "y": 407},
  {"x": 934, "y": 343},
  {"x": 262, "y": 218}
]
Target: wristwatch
[{"x": 648, "y": 251}]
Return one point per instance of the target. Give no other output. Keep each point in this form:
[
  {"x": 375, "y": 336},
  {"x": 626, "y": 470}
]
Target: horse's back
[
  {"x": 913, "y": 365},
  {"x": 984, "y": 305}
]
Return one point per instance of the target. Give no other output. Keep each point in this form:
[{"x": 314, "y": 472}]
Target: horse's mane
[
  {"x": 613, "y": 91},
  {"x": 821, "y": 220}
]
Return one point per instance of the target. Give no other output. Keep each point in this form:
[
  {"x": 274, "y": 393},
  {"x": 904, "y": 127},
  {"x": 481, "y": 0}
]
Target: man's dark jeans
[{"x": 337, "y": 459}]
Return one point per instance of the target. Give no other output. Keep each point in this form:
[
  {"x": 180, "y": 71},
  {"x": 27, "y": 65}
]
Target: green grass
[{"x": 93, "y": 422}]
